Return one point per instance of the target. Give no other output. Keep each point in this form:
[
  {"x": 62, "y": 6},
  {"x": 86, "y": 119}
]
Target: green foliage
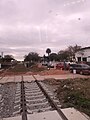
[
  {"x": 75, "y": 93},
  {"x": 77, "y": 100},
  {"x": 53, "y": 56},
  {"x": 63, "y": 55},
  {"x": 32, "y": 57}
]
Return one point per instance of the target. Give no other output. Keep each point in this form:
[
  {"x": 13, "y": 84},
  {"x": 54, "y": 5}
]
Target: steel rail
[
  {"x": 52, "y": 103},
  {"x": 23, "y": 101}
]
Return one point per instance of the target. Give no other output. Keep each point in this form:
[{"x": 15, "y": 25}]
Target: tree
[
  {"x": 8, "y": 58},
  {"x": 32, "y": 57},
  {"x": 53, "y": 56},
  {"x": 72, "y": 50},
  {"x": 63, "y": 55},
  {"x": 48, "y": 51},
  {"x": 69, "y": 53}
]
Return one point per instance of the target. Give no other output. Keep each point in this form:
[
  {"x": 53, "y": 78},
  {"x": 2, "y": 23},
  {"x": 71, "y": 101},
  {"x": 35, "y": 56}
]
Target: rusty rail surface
[
  {"x": 23, "y": 101},
  {"x": 52, "y": 103},
  {"x": 50, "y": 100}
]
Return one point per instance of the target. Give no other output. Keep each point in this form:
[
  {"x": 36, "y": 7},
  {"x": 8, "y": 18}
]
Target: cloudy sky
[{"x": 34, "y": 25}]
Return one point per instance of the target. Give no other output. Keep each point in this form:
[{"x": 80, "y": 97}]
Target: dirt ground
[
  {"x": 21, "y": 69},
  {"x": 73, "y": 93}
]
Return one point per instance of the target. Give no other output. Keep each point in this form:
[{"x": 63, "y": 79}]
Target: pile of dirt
[
  {"x": 73, "y": 93},
  {"x": 37, "y": 69}
]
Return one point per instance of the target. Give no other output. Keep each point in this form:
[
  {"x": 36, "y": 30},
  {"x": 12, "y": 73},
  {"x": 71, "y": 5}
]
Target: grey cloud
[{"x": 34, "y": 25}]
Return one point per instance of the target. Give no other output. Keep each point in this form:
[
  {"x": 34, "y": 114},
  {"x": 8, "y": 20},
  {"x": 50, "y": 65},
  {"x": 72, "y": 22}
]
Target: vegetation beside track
[{"x": 73, "y": 93}]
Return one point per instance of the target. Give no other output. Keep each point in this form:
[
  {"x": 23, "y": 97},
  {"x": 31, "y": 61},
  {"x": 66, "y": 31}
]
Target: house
[{"x": 83, "y": 55}]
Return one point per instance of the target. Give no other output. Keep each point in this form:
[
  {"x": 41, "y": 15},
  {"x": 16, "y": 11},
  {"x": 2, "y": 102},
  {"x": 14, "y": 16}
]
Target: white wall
[{"x": 83, "y": 53}]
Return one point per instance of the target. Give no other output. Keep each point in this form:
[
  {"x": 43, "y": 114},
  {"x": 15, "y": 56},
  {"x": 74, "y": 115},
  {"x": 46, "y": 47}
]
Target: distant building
[{"x": 83, "y": 55}]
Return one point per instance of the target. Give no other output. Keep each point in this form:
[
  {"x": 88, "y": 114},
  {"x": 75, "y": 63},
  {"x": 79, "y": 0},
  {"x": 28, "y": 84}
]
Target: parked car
[
  {"x": 62, "y": 66},
  {"x": 80, "y": 68}
]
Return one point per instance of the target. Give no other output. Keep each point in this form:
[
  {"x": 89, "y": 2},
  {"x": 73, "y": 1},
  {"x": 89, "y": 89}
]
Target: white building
[{"x": 83, "y": 55}]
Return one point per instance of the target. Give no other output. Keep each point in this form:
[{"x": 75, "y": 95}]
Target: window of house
[
  {"x": 84, "y": 59},
  {"x": 79, "y": 59}
]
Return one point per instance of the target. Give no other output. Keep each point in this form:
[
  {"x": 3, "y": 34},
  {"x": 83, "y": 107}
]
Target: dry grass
[{"x": 73, "y": 93}]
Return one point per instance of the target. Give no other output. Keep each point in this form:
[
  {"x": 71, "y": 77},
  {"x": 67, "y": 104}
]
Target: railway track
[{"x": 30, "y": 97}]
